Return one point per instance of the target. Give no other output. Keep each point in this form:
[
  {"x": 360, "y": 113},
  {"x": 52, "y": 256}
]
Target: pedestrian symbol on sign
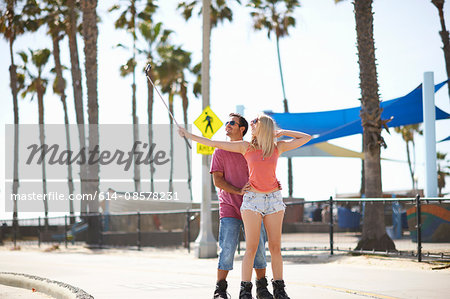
[{"x": 208, "y": 120}]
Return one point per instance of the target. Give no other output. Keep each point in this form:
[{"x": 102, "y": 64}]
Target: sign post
[{"x": 205, "y": 245}]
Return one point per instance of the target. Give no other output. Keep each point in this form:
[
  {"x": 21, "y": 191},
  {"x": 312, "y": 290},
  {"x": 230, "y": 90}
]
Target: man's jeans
[{"x": 229, "y": 229}]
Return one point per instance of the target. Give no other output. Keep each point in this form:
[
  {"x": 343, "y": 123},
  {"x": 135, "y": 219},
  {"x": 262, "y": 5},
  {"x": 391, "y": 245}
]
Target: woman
[{"x": 264, "y": 199}]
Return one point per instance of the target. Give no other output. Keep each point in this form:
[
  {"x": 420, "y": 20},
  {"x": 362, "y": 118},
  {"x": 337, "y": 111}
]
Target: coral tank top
[{"x": 262, "y": 171}]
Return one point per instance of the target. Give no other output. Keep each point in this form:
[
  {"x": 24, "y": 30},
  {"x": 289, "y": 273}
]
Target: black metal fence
[
  {"x": 419, "y": 227},
  {"x": 135, "y": 230}
]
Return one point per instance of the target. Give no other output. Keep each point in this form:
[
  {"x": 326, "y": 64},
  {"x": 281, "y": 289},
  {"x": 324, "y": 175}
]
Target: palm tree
[
  {"x": 276, "y": 17},
  {"x": 220, "y": 11},
  {"x": 38, "y": 85},
  {"x": 127, "y": 21},
  {"x": 130, "y": 68},
  {"x": 185, "y": 102},
  {"x": 71, "y": 31},
  {"x": 444, "y": 35},
  {"x": 54, "y": 20},
  {"x": 155, "y": 37},
  {"x": 173, "y": 82},
  {"x": 90, "y": 35},
  {"x": 11, "y": 26},
  {"x": 407, "y": 133},
  {"x": 374, "y": 236}
]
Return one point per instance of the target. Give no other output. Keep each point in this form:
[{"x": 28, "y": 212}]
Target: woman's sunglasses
[
  {"x": 254, "y": 121},
  {"x": 232, "y": 123}
]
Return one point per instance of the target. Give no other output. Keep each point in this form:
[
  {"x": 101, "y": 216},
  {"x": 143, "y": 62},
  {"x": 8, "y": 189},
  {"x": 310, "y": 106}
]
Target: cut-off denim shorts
[
  {"x": 229, "y": 229},
  {"x": 263, "y": 203}
]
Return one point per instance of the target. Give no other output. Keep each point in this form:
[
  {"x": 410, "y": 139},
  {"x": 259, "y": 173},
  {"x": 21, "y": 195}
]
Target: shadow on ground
[{"x": 305, "y": 258}]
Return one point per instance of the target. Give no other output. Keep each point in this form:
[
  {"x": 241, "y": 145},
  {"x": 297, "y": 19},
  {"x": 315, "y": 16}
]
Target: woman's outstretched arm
[
  {"x": 231, "y": 146},
  {"x": 298, "y": 140}
]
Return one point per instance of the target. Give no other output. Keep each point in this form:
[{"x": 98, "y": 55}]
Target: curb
[{"x": 52, "y": 288}]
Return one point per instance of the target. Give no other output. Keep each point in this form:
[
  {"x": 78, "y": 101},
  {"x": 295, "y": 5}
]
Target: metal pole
[
  {"x": 418, "y": 227},
  {"x": 15, "y": 225},
  {"x": 139, "y": 230},
  {"x": 205, "y": 244},
  {"x": 331, "y": 225},
  {"x": 188, "y": 228},
  {"x": 429, "y": 120},
  {"x": 65, "y": 231},
  {"x": 39, "y": 231},
  {"x": 100, "y": 228}
]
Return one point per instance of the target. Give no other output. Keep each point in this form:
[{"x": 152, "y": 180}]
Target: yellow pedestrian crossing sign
[{"x": 208, "y": 123}]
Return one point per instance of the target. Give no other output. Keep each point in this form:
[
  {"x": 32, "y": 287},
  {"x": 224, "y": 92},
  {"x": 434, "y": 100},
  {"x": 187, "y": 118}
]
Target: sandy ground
[
  {"x": 173, "y": 272},
  {"x": 294, "y": 257}
]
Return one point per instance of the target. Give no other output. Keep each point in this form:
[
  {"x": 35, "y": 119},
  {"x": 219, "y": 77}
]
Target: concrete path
[
  {"x": 173, "y": 273},
  {"x": 19, "y": 293}
]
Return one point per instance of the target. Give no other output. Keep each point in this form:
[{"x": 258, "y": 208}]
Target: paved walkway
[
  {"x": 19, "y": 293},
  {"x": 173, "y": 273}
]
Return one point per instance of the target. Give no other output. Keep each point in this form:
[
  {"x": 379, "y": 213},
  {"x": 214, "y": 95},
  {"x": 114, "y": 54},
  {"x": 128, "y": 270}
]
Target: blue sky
[{"x": 320, "y": 69}]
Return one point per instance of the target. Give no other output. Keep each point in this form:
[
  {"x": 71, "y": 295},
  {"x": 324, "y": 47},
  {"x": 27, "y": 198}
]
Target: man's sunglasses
[{"x": 232, "y": 123}]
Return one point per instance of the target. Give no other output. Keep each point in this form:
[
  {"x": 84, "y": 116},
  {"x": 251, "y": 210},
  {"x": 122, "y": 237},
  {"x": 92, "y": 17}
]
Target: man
[
  {"x": 230, "y": 175},
  {"x": 317, "y": 214}
]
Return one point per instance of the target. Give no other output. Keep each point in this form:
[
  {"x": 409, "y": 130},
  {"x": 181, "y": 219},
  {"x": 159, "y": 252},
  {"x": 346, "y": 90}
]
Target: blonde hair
[{"x": 264, "y": 138}]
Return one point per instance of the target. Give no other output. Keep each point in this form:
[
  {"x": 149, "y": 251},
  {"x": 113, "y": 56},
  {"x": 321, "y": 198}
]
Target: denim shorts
[
  {"x": 263, "y": 203},
  {"x": 229, "y": 229}
]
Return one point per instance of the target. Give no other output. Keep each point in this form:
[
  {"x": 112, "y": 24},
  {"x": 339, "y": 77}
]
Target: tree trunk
[
  {"x": 137, "y": 171},
  {"x": 444, "y": 35},
  {"x": 411, "y": 171},
  {"x": 60, "y": 89},
  {"x": 69, "y": 167},
  {"x": 150, "y": 128},
  {"x": 14, "y": 91},
  {"x": 441, "y": 180},
  {"x": 362, "y": 188},
  {"x": 40, "y": 96},
  {"x": 414, "y": 164},
  {"x": 286, "y": 109},
  {"x": 185, "y": 118},
  {"x": 90, "y": 35},
  {"x": 374, "y": 235},
  {"x": 77, "y": 94},
  {"x": 136, "y": 168}
]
